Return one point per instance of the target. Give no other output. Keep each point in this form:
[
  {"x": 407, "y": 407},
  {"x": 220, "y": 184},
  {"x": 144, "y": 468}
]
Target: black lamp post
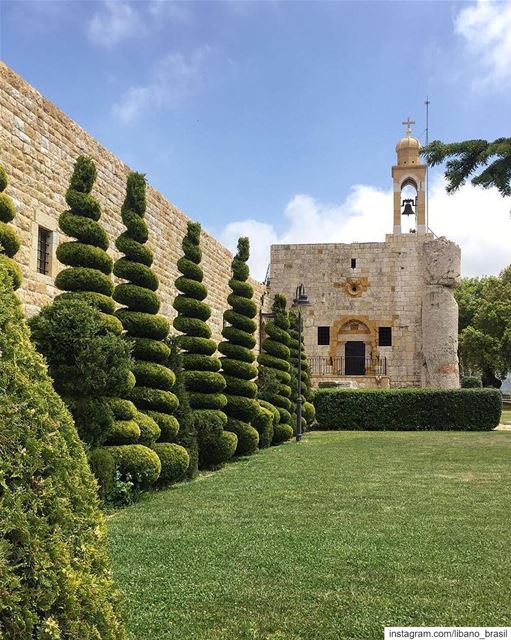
[{"x": 300, "y": 300}]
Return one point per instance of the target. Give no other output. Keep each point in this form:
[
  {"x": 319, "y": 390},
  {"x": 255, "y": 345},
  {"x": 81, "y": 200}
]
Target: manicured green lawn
[
  {"x": 506, "y": 416},
  {"x": 328, "y": 540}
]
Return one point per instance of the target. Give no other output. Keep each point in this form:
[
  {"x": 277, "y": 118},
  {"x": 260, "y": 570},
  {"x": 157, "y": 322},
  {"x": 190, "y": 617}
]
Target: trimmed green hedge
[
  {"x": 408, "y": 409},
  {"x": 471, "y": 382}
]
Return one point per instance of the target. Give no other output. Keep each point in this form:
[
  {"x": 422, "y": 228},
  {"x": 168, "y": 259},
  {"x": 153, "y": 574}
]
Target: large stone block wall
[
  {"x": 391, "y": 285},
  {"x": 38, "y": 147}
]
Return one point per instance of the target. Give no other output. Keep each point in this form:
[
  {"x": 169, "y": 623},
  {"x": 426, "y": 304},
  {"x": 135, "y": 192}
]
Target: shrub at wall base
[
  {"x": 471, "y": 382},
  {"x": 274, "y": 369},
  {"x": 263, "y": 422},
  {"x": 204, "y": 383},
  {"x": 89, "y": 365},
  {"x": 237, "y": 356},
  {"x": 152, "y": 393},
  {"x": 55, "y": 577},
  {"x": 408, "y": 409}
]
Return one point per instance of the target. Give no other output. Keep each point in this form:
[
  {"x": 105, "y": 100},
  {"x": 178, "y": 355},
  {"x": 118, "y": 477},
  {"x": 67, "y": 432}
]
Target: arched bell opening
[{"x": 409, "y": 205}]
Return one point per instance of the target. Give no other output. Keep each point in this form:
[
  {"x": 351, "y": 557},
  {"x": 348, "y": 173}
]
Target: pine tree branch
[{"x": 465, "y": 159}]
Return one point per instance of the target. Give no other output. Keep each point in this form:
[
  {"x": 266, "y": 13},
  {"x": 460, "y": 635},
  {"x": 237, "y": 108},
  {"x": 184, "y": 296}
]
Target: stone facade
[
  {"x": 38, "y": 147},
  {"x": 393, "y": 285},
  {"x": 364, "y": 295}
]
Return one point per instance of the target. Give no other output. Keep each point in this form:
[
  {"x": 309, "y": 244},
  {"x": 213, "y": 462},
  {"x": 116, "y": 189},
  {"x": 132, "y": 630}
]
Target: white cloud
[
  {"x": 486, "y": 28},
  {"x": 478, "y": 220},
  {"x": 173, "y": 80},
  {"x": 114, "y": 22},
  {"x": 171, "y": 9}
]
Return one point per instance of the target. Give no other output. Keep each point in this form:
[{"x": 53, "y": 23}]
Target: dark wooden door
[{"x": 355, "y": 358}]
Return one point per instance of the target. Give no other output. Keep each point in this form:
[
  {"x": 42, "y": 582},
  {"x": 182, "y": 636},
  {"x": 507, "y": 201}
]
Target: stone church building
[{"x": 380, "y": 314}]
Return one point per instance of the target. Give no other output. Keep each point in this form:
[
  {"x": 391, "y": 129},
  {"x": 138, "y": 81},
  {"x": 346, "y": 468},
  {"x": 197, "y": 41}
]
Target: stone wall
[
  {"x": 38, "y": 147},
  {"x": 396, "y": 284}
]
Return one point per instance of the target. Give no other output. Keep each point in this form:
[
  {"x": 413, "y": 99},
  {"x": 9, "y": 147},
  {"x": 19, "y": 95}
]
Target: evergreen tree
[
  {"x": 54, "y": 571},
  {"x": 488, "y": 162},
  {"x": 275, "y": 357},
  {"x": 203, "y": 381},
  {"x": 152, "y": 393},
  {"x": 9, "y": 241},
  {"x": 187, "y": 434},
  {"x": 238, "y": 358},
  {"x": 308, "y": 411}
]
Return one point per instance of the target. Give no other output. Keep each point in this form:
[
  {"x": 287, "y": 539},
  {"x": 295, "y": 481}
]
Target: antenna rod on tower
[{"x": 427, "y": 167}]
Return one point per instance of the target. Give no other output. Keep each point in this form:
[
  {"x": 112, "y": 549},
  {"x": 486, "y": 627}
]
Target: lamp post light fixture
[{"x": 300, "y": 300}]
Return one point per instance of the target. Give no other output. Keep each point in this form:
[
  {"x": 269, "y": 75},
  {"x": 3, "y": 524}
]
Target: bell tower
[{"x": 409, "y": 175}]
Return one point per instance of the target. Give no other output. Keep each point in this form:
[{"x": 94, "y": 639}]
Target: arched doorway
[{"x": 353, "y": 347}]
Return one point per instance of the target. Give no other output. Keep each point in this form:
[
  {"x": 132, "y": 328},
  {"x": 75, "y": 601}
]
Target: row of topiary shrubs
[
  {"x": 408, "y": 409},
  {"x": 152, "y": 409}
]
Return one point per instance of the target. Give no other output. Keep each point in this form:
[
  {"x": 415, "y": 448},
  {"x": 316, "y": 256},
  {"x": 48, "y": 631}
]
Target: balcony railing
[{"x": 350, "y": 366}]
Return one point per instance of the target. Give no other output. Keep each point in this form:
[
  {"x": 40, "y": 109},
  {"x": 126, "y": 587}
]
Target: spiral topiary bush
[
  {"x": 55, "y": 579},
  {"x": 275, "y": 358},
  {"x": 9, "y": 241},
  {"x": 87, "y": 275},
  {"x": 238, "y": 358},
  {"x": 187, "y": 434},
  {"x": 152, "y": 393},
  {"x": 267, "y": 384},
  {"x": 204, "y": 383},
  {"x": 298, "y": 350},
  {"x": 80, "y": 336}
]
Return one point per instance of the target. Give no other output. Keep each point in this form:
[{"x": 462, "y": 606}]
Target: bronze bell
[{"x": 408, "y": 208}]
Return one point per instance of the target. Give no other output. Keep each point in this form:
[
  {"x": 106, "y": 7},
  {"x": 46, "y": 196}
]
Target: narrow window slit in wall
[{"x": 43, "y": 250}]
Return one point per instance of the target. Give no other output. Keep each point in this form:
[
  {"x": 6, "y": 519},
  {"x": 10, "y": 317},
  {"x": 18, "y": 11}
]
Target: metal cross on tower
[{"x": 408, "y": 122}]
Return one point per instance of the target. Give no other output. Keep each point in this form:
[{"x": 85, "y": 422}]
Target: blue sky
[{"x": 254, "y": 117}]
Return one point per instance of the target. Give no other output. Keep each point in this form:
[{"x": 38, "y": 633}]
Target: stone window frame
[
  {"x": 323, "y": 335},
  {"x": 49, "y": 223},
  {"x": 385, "y": 337}
]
